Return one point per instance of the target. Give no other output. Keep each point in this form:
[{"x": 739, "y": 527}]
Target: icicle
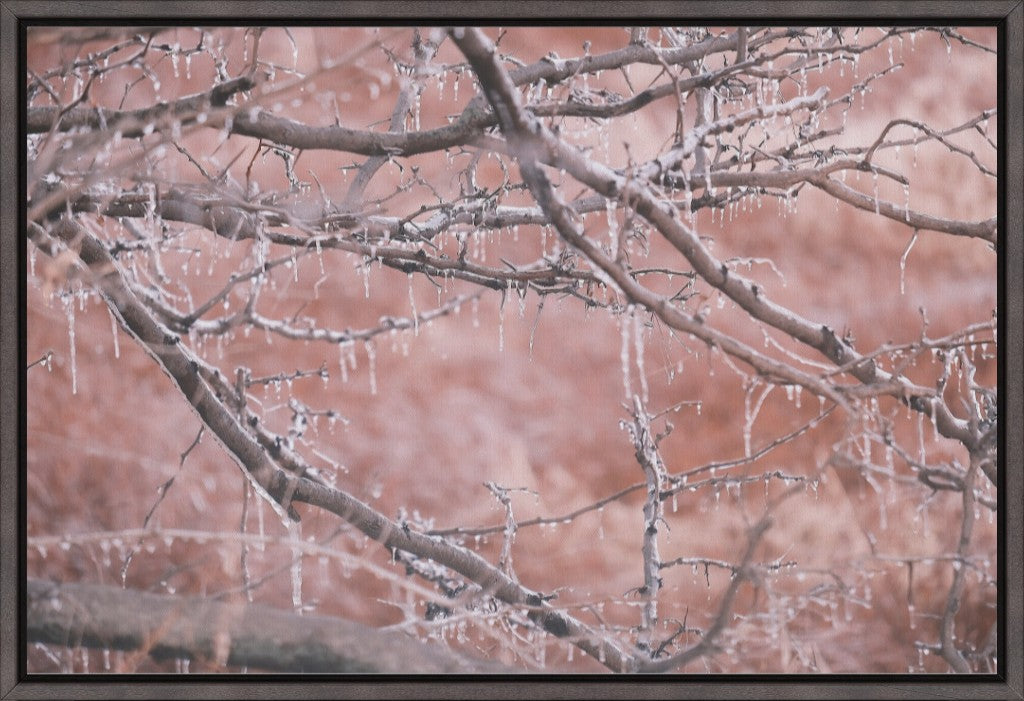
[
  {"x": 536, "y": 320},
  {"x": 319, "y": 256},
  {"x": 113, "y": 330},
  {"x": 624, "y": 354},
  {"x": 613, "y": 226},
  {"x": 903, "y": 259},
  {"x": 415, "y": 315},
  {"x": 346, "y": 356},
  {"x": 69, "y": 309},
  {"x": 295, "y": 534},
  {"x": 920, "y": 436},
  {"x": 501, "y": 326},
  {"x": 371, "y": 355},
  {"x": 638, "y": 346},
  {"x": 747, "y": 425}
]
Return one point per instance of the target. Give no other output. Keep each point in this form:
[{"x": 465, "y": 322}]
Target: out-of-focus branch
[
  {"x": 228, "y": 634},
  {"x": 947, "y": 627}
]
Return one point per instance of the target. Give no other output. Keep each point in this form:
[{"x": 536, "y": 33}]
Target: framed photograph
[{"x": 468, "y": 350}]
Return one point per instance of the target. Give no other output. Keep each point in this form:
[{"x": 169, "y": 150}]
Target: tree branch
[{"x": 228, "y": 634}]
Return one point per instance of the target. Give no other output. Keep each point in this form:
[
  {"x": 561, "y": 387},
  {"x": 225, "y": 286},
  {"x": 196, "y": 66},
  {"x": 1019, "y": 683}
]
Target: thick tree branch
[{"x": 228, "y": 634}]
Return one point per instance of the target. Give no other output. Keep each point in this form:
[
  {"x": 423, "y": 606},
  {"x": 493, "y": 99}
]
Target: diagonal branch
[{"x": 172, "y": 356}]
